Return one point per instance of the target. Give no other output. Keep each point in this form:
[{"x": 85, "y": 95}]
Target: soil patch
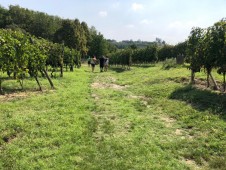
[
  {"x": 143, "y": 99},
  {"x": 138, "y": 97},
  {"x": 200, "y": 83},
  {"x": 107, "y": 85},
  {"x": 13, "y": 96},
  {"x": 95, "y": 96},
  {"x": 168, "y": 121},
  {"x": 20, "y": 95},
  {"x": 178, "y": 132},
  {"x": 191, "y": 163}
]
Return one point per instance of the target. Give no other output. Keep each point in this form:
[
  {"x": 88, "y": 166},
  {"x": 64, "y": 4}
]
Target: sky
[{"x": 145, "y": 20}]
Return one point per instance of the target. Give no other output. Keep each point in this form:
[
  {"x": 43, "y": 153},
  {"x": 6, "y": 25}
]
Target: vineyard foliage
[
  {"x": 206, "y": 48},
  {"x": 123, "y": 58},
  {"x": 22, "y": 54}
]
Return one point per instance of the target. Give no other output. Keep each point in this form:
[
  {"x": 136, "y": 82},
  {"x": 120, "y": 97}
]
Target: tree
[
  {"x": 85, "y": 38},
  {"x": 221, "y": 44},
  {"x": 165, "y": 52},
  {"x": 21, "y": 54},
  {"x": 66, "y": 34},
  {"x": 87, "y": 35},
  {"x": 55, "y": 57},
  {"x": 195, "y": 51},
  {"x": 36, "y": 23},
  {"x": 180, "y": 52},
  {"x": 212, "y": 44},
  {"x": 98, "y": 45},
  {"x": 3, "y": 16}
]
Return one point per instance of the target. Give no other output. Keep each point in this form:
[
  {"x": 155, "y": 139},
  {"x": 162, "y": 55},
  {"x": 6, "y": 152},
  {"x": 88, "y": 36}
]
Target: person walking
[
  {"x": 106, "y": 64},
  {"x": 89, "y": 59},
  {"x": 102, "y": 60},
  {"x": 93, "y": 62}
]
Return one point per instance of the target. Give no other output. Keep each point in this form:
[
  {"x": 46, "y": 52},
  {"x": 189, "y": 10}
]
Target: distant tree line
[
  {"x": 128, "y": 43},
  {"x": 72, "y": 33},
  {"x": 149, "y": 54}
]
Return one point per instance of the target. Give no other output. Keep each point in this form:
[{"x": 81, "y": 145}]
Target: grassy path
[
  {"x": 144, "y": 121},
  {"x": 146, "y": 118},
  {"x": 131, "y": 130},
  {"x": 47, "y": 130}
]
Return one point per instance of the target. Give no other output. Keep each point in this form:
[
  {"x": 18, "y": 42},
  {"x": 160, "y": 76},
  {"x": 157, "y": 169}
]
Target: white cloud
[
  {"x": 103, "y": 14},
  {"x": 116, "y": 5},
  {"x": 137, "y": 7},
  {"x": 176, "y": 31},
  {"x": 181, "y": 25},
  {"x": 130, "y": 26},
  {"x": 145, "y": 22}
]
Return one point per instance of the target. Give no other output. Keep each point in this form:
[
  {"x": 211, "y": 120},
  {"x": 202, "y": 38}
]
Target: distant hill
[{"x": 134, "y": 44}]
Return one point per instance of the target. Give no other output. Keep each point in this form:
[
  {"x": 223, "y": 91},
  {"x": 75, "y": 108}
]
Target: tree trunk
[
  {"x": 40, "y": 88},
  {"x": 71, "y": 68},
  {"x": 14, "y": 75},
  {"x": 61, "y": 71},
  {"x": 50, "y": 81},
  {"x": 208, "y": 80},
  {"x": 21, "y": 83},
  {"x": 1, "y": 91},
  {"x": 214, "y": 82},
  {"x": 8, "y": 73},
  {"x": 43, "y": 75},
  {"x": 224, "y": 81},
  {"x": 52, "y": 73},
  {"x": 192, "y": 81}
]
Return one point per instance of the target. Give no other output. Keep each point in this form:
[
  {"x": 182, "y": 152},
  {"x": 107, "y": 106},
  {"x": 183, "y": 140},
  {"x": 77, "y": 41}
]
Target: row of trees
[
  {"x": 22, "y": 54},
  {"x": 123, "y": 58},
  {"x": 152, "y": 53},
  {"x": 206, "y": 48},
  {"x": 127, "y": 43},
  {"x": 38, "y": 24}
]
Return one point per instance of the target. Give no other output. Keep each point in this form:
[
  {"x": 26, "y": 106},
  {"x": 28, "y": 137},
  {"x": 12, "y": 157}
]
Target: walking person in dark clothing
[
  {"x": 89, "y": 61},
  {"x": 102, "y": 60},
  {"x": 93, "y": 62}
]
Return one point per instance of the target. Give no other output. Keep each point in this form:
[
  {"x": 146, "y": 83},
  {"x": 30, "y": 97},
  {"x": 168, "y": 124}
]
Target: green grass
[{"x": 145, "y": 118}]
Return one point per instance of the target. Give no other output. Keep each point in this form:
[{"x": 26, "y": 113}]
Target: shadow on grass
[
  {"x": 9, "y": 91},
  {"x": 11, "y": 86},
  {"x": 144, "y": 65},
  {"x": 118, "y": 69},
  {"x": 202, "y": 99}
]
